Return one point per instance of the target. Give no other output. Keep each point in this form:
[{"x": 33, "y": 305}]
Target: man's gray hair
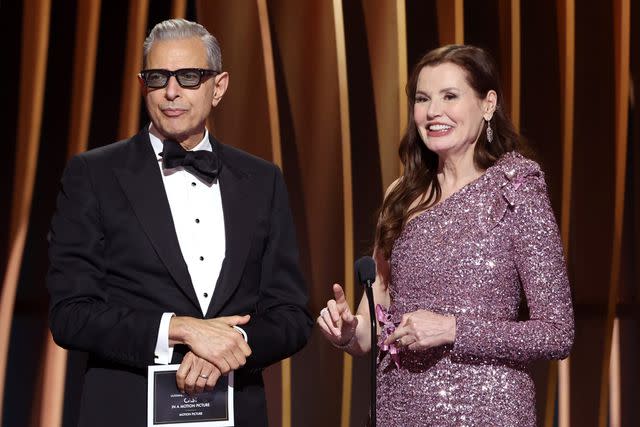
[{"x": 177, "y": 29}]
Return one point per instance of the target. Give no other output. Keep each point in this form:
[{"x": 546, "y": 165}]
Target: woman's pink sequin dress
[{"x": 476, "y": 256}]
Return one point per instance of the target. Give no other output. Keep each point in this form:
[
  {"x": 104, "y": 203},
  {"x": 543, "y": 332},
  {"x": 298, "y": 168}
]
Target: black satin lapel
[
  {"x": 239, "y": 218},
  {"x": 141, "y": 181}
]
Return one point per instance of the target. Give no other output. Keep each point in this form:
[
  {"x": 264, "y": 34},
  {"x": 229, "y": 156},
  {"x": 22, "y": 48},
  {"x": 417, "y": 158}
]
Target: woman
[{"x": 465, "y": 236}]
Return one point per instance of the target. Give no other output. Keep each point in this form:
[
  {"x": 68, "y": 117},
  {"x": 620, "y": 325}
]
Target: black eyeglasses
[{"x": 186, "y": 77}]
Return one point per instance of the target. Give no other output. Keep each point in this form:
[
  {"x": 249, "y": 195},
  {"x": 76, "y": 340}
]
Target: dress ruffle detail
[{"x": 513, "y": 171}]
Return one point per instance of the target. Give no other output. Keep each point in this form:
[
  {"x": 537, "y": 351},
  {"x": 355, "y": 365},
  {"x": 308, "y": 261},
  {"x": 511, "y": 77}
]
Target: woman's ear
[{"x": 489, "y": 105}]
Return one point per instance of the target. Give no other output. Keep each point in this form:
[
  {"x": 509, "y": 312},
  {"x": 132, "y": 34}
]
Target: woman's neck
[{"x": 456, "y": 171}]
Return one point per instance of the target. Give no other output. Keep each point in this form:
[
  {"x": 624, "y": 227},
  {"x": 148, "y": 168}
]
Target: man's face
[{"x": 180, "y": 113}]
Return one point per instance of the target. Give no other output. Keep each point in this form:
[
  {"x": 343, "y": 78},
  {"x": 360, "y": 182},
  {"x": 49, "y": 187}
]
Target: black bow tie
[{"x": 201, "y": 163}]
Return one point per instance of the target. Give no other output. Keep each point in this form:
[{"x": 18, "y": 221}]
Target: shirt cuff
[
  {"x": 242, "y": 331},
  {"x": 163, "y": 353}
]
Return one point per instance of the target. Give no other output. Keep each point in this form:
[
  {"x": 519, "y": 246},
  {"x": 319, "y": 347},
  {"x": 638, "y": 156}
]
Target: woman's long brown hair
[{"x": 420, "y": 175}]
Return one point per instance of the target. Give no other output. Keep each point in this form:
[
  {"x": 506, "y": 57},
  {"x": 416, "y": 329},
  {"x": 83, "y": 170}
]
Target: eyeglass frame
[{"x": 168, "y": 74}]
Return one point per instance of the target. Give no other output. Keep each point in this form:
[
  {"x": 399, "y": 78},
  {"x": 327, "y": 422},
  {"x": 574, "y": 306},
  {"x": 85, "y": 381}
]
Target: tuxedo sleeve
[
  {"x": 82, "y": 315},
  {"x": 281, "y": 324}
]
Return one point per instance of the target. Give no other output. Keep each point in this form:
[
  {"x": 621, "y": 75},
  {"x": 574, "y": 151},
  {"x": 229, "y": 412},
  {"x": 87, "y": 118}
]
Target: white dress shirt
[{"x": 196, "y": 208}]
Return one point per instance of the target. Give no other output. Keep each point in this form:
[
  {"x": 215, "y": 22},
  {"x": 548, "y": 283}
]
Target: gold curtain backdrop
[{"x": 317, "y": 87}]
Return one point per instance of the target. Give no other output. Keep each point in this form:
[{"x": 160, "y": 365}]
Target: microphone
[
  {"x": 366, "y": 273},
  {"x": 366, "y": 270}
]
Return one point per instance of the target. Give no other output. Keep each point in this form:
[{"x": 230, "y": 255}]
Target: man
[{"x": 164, "y": 256}]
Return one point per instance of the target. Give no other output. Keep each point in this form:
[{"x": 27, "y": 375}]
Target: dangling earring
[{"x": 489, "y": 132}]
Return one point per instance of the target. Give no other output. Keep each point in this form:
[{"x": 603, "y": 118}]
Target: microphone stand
[{"x": 374, "y": 346}]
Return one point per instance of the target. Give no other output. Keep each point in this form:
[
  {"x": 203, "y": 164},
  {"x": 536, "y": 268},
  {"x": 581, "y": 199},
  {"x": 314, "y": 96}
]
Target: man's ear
[
  {"x": 489, "y": 105},
  {"x": 221, "y": 82}
]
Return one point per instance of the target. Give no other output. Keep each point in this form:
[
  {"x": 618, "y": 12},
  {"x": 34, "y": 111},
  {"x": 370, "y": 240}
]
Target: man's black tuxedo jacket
[{"x": 116, "y": 266}]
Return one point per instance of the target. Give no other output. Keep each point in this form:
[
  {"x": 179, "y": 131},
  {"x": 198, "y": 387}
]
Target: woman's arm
[
  {"x": 539, "y": 259},
  {"x": 347, "y": 331}
]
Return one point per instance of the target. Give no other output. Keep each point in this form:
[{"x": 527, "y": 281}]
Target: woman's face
[{"x": 447, "y": 111}]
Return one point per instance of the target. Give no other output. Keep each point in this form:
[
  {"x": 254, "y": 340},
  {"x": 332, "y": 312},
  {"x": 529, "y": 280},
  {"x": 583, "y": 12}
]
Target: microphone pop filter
[{"x": 366, "y": 270}]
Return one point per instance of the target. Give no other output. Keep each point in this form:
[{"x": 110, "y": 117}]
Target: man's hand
[
  {"x": 214, "y": 340},
  {"x": 196, "y": 375}
]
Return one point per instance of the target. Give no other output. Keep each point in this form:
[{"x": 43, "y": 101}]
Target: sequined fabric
[{"x": 476, "y": 255}]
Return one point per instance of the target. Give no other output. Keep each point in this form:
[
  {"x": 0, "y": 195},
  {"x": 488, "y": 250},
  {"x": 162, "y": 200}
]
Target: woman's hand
[
  {"x": 423, "y": 329},
  {"x": 336, "y": 321}
]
